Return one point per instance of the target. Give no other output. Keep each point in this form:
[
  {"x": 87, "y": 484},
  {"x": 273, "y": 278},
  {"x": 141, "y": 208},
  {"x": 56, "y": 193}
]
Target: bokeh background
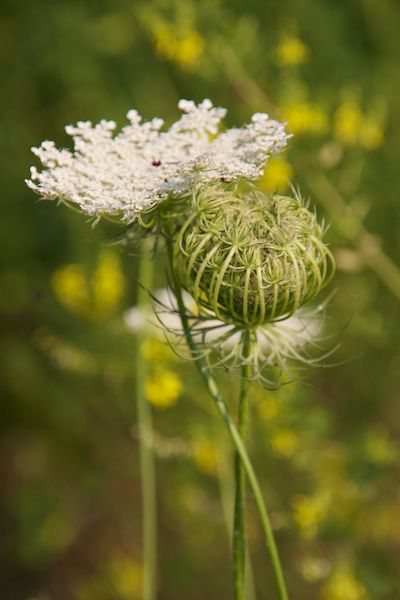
[{"x": 326, "y": 448}]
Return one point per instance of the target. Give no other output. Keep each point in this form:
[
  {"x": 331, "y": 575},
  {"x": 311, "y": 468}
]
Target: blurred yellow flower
[
  {"x": 71, "y": 287},
  {"x": 343, "y": 585},
  {"x": 121, "y": 574},
  {"x": 163, "y": 388},
  {"x": 268, "y": 408},
  {"x": 351, "y": 127},
  {"x": 205, "y": 456},
  {"x": 291, "y": 52},
  {"x": 379, "y": 448},
  {"x": 348, "y": 122},
  {"x": 126, "y": 577},
  {"x": 155, "y": 351},
  {"x": 108, "y": 282},
  {"x": 277, "y": 175},
  {"x": 183, "y": 48},
  {"x": 94, "y": 297},
  {"x": 310, "y": 512},
  {"x": 190, "y": 48},
  {"x": 371, "y": 135},
  {"x": 284, "y": 442},
  {"x": 305, "y": 117}
]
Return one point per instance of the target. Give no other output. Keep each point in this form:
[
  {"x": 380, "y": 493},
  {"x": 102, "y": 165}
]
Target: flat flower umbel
[{"x": 129, "y": 173}]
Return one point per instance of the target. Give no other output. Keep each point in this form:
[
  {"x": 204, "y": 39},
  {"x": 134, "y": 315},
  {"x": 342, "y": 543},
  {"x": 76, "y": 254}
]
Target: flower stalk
[
  {"x": 239, "y": 536},
  {"x": 212, "y": 387},
  {"x": 145, "y": 426}
]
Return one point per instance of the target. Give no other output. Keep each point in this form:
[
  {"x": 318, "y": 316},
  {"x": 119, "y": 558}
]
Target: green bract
[{"x": 251, "y": 258}]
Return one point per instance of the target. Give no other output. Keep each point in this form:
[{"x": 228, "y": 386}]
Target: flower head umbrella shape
[{"x": 126, "y": 174}]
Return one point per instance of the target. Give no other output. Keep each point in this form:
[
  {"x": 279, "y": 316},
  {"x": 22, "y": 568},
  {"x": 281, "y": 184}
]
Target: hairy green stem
[
  {"x": 212, "y": 387},
  {"x": 145, "y": 427},
  {"x": 239, "y": 539}
]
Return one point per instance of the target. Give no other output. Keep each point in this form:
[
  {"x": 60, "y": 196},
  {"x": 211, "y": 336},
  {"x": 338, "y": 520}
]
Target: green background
[{"x": 326, "y": 449}]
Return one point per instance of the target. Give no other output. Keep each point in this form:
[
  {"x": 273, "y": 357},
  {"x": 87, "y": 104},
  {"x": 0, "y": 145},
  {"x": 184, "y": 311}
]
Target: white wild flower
[
  {"x": 124, "y": 174},
  {"x": 275, "y": 344}
]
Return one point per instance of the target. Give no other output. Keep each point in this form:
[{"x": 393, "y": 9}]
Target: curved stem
[
  {"x": 145, "y": 426},
  {"x": 237, "y": 441},
  {"x": 239, "y": 540}
]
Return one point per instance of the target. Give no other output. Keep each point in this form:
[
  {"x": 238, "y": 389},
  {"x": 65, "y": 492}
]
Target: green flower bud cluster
[{"x": 250, "y": 258}]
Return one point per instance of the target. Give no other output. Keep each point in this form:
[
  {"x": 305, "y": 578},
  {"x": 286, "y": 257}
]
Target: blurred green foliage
[{"x": 328, "y": 453}]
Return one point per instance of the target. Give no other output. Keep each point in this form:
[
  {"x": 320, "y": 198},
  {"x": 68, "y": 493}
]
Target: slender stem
[
  {"x": 145, "y": 426},
  {"x": 239, "y": 540},
  {"x": 237, "y": 441},
  {"x": 227, "y": 490}
]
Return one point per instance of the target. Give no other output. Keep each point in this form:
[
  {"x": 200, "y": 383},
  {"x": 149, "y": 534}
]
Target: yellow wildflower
[
  {"x": 268, "y": 408},
  {"x": 277, "y": 175},
  {"x": 163, "y": 389},
  {"x": 284, "y": 442},
  {"x": 352, "y": 127},
  {"x": 305, "y": 117},
  {"x": 348, "y": 121},
  {"x": 310, "y": 512},
  {"x": 108, "y": 283},
  {"x": 205, "y": 457},
  {"x": 291, "y": 52},
  {"x": 371, "y": 135},
  {"x": 379, "y": 448},
  {"x": 343, "y": 585},
  {"x": 121, "y": 575},
  {"x": 155, "y": 351},
  {"x": 183, "y": 48},
  {"x": 189, "y": 50},
  {"x": 71, "y": 287},
  {"x": 126, "y": 577},
  {"x": 93, "y": 297}
]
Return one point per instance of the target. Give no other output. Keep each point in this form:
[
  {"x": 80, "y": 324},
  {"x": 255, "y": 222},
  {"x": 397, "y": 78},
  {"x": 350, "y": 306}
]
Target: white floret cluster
[
  {"x": 276, "y": 345},
  {"x": 125, "y": 174}
]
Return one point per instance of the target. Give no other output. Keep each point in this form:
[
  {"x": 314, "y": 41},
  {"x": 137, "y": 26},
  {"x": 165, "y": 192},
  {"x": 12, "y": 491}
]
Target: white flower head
[
  {"x": 124, "y": 174},
  {"x": 276, "y": 346}
]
